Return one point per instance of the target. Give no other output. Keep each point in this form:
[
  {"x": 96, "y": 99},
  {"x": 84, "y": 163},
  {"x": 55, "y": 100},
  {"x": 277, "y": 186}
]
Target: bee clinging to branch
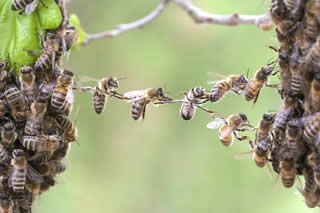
[{"x": 230, "y": 126}]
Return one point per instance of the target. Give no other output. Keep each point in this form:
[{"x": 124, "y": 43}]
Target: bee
[
  {"x": 62, "y": 152},
  {"x": 193, "y": 99},
  {"x": 309, "y": 179},
  {"x": 314, "y": 161},
  {"x": 4, "y": 74},
  {"x": 27, "y": 80},
  {"x": 4, "y": 156},
  {"x": 22, "y": 171},
  {"x": 285, "y": 112},
  {"x": 296, "y": 75},
  {"x": 293, "y": 141},
  {"x": 141, "y": 98},
  {"x": 35, "y": 120},
  {"x": 16, "y": 102},
  {"x": 52, "y": 167},
  {"x": 68, "y": 36},
  {"x": 42, "y": 143},
  {"x": 313, "y": 55},
  {"x": 287, "y": 169},
  {"x": 312, "y": 199},
  {"x": 265, "y": 126},
  {"x": 5, "y": 202},
  {"x": 62, "y": 93},
  {"x": 71, "y": 131},
  {"x": 234, "y": 83},
  {"x": 229, "y": 128},
  {"x": 28, "y": 5},
  {"x": 26, "y": 204},
  {"x": 315, "y": 92},
  {"x": 8, "y": 133},
  {"x": 255, "y": 85}
]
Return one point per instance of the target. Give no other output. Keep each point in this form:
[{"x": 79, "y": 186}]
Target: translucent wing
[
  {"x": 215, "y": 124},
  {"x": 70, "y": 96},
  {"x": 216, "y": 75},
  {"x": 134, "y": 94},
  {"x": 31, "y": 7},
  {"x": 244, "y": 155},
  {"x": 87, "y": 79},
  {"x": 33, "y": 175}
]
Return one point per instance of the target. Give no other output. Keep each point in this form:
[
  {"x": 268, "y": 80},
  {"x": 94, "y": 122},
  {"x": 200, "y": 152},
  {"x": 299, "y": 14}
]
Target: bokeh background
[{"x": 165, "y": 164}]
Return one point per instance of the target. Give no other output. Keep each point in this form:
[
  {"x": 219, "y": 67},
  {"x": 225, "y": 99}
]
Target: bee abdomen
[
  {"x": 296, "y": 81},
  {"x": 218, "y": 91},
  {"x": 260, "y": 164},
  {"x": 20, "y": 4},
  {"x": 311, "y": 131},
  {"x": 287, "y": 181},
  {"x": 31, "y": 143},
  {"x": 187, "y": 111},
  {"x": 44, "y": 61},
  {"x": 99, "y": 101},
  {"x": 58, "y": 100},
  {"x": 137, "y": 109}
]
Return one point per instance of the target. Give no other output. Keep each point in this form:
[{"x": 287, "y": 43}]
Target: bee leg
[
  {"x": 273, "y": 85},
  {"x": 33, "y": 51},
  {"x": 41, "y": 1},
  {"x": 206, "y": 110}
]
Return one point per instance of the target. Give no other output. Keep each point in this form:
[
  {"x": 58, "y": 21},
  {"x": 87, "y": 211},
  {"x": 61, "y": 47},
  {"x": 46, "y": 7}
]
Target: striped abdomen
[
  {"x": 18, "y": 180},
  {"x": 44, "y": 62},
  {"x": 20, "y": 4},
  {"x": 296, "y": 82},
  {"x": 260, "y": 159},
  {"x": 313, "y": 57},
  {"x": 187, "y": 111},
  {"x": 138, "y": 108},
  {"x": 253, "y": 89},
  {"x": 99, "y": 101},
  {"x": 58, "y": 99},
  {"x": 226, "y": 139},
  {"x": 17, "y": 103},
  {"x": 309, "y": 180},
  {"x": 219, "y": 90},
  {"x": 312, "y": 129},
  {"x": 32, "y": 143},
  {"x": 288, "y": 181}
]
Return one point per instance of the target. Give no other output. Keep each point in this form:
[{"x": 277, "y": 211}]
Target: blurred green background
[{"x": 165, "y": 164}]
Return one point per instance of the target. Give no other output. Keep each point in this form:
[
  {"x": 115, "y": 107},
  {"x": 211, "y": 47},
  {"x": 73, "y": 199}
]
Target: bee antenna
[{"x": 122, "y": 78}]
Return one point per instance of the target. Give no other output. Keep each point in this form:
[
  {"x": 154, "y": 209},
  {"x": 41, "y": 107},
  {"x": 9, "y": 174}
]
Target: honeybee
[
  {"x": 313, "y": 55},
  {"x": 5, "y": 202},
  {"x": 35, "y": 120},
  {"x": 4, "y": 156},
  {"x": 275, "y": 153},
  {"x": 234, "y": 83},
  {"x": 42, "y": 143},
  {"x": 193, "y": 99},
  {"x": 309, "y": 179},
  {"x": 16, "y": 102},
  {"x": 62, "y": 94},
  {"x": 141, "y": 98},
  {"x": 27, "y": 81},
  {"x": 8, "y": 133},
  {"x": 293, "y": 139},
  {"x": 229, "y": 127},
  {"x": 26, "y": 204},
  {"x": 4, "y": 74},
  {"x": 314, "y": 161},
  {"x": 296, "y": 75},
  {"x": 70, "y": 129},
  {"x": 265, "y": 126},
  {"x": 315, "y": 92},
  {"x": 255, "y": 85},
  {"x": 68, "y": 36},
  {"x": 22, "y": 171},
  {"x": 260, "y": 151},
  {"x": 287, "y": 169},
  {"x": 312, "y": 199},
  {"x": 62, "y": 152},
  {"x": 285, "y": 112},
  {"x": 28, "y": 5},
  {"x": 52, "y": 167}
]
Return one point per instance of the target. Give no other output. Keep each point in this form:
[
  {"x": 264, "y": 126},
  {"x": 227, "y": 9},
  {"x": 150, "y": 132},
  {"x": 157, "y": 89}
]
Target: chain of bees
[{"x": 36, "y": 131}]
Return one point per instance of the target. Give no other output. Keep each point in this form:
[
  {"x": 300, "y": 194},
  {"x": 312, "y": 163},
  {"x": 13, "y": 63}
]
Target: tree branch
[
  {"x": 198, "y": 15},
  {"x": 130, "y": 26}
]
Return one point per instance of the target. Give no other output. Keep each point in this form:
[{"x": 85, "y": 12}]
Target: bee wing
[
  {"x": 257, "y": 96},
  {"x": 226, "y": 133},
  {"x": 215, "y": 124},
  {"x": 244, "y": 155},
  {"x": 212, "y": 82},
  {"x": 33, "y": 175},
  {"x": 87, "y": 79},
  {"x": 216, "y": 74},
  {"x": 134, "y": 94},
  {"x": 31, "y": 7},
  {"x": 70, "y": 96}
]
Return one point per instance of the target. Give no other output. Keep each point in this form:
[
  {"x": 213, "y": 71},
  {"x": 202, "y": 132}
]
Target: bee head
[
  {"x": 66, "y": 78},
  {"x": 243, "y": 117},
  {"x": 112, "y": 82},
  {"x": 198, "y": 92},
  {"x": 243, "y": 79},
  {"x": 9, "y": 126},
  {"x": 268, "y": 117},
  {"x": 160, "y": 93}
]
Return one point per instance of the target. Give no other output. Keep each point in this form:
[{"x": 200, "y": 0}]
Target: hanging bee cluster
[{"x": 36, "y": 131}]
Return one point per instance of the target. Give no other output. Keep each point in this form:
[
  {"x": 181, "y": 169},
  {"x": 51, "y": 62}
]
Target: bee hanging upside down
[{"x": 229, "y": 128}]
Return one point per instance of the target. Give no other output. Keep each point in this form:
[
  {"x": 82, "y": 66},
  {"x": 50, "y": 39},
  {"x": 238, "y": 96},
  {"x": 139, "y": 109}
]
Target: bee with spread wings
[
  {"x": 229, "y": 127},
  {"x": 141, "y": 98}
]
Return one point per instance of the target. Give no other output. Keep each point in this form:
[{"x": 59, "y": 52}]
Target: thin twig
[
  {"x": 130, "y": 26},
  {"x": 198, "y": 15}
]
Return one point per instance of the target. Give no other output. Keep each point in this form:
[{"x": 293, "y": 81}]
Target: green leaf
[
  {"x": 81, "y": 33},
  {"x": 19, "y": 32}
]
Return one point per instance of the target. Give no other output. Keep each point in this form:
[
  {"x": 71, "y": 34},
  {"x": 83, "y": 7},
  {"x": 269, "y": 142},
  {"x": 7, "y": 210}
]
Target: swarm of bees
[{"x": 36, "y": 131}]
